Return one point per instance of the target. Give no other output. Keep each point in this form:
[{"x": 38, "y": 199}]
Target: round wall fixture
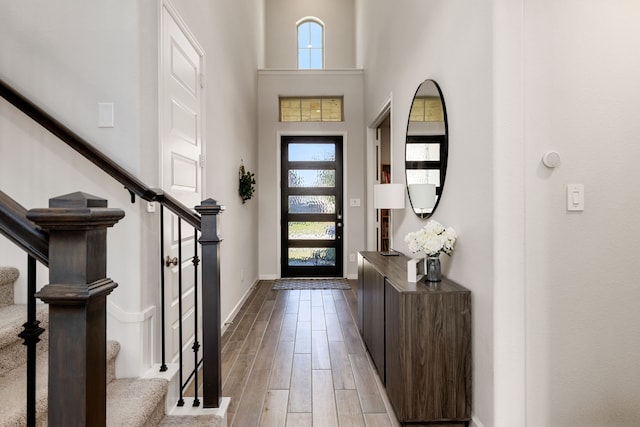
[{"x": 551, "y": 159}]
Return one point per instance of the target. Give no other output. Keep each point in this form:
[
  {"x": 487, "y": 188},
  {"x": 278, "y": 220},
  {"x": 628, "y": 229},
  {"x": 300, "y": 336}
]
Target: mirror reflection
[{"x": 426, "y": 149}]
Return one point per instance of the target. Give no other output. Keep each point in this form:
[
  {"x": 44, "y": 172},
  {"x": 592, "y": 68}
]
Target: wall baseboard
[
  {"x": 267, "y": 277},
  {"x": 238, "y": 306},
  {"x": 475, "y": 422},
  {"x": 129, "y": 316}
]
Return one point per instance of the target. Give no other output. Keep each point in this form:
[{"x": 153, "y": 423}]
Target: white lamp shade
[
  {"x": 388, "y": 196},
  {"x": 423, "y": 196}
]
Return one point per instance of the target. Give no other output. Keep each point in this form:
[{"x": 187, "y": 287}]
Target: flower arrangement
[
  {"x": 432, "y": 239},
  {"x": 246, "y": 185}
]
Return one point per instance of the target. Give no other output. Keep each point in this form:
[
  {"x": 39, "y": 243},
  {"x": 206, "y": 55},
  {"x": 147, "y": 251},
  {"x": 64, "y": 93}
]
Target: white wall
[
  {"x": 281, "y": 36},
  {"x": 402, "y": 43},
  {"x": 509, "y": 217},
  {"x": 307, "y": 83},
  {"x": 582, "y": 98},
  {"x": 67, "y": 57},
  {"x": 555, "y": 294}
]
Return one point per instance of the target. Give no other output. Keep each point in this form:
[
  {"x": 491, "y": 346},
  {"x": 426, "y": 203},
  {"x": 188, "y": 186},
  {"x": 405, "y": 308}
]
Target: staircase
[
  {"x": 132, "y": 402},
  {"x": 79, "y": 222}
]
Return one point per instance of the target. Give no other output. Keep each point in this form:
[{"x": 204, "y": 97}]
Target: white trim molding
[
  {"x": 123, "y": 316},
  {"x": 475, "y": 422},
  {"x": 231, "y": 317}
]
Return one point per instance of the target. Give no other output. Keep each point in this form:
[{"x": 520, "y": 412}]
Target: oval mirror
[{"x": 426, "y": 149}]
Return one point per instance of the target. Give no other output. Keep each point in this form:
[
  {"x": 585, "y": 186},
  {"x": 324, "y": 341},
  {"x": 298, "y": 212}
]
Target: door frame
[
  {"x": 371, "y": 167},
  {"x": 345, "y": 215}
]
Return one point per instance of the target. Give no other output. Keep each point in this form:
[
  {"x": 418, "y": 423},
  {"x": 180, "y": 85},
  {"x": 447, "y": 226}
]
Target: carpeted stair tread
[
  {"x": 13, "y": 393},
  {"x": 113, "y": 348},
  {"x": 13, "y": 388},
  {"x": 190, "y": 421},
  {"x": 8, "y": 275},
  {"x": 12, "y": 352},
  {"x": 13, "y": 317},
  {"x": 136, "y": 402}
]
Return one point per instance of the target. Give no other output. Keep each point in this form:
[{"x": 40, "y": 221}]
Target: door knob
[{"x": 170, "y": 261}]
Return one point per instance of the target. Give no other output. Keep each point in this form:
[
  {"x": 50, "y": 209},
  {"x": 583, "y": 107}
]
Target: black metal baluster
[
  {"x": 181, "y": 399},
  {"x": 31, "y": 336},
  {"x": 196, "y": 343},
  {"x": 163, "y": 366}
]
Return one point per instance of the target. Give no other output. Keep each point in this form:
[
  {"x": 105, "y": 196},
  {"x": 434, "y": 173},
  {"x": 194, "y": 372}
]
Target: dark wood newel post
[
  {"x": 211, "y": 364},
  {"x": 77, "y": 297}
]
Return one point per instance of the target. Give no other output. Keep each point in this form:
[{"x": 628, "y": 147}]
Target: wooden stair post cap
[{"x": 78, "y": 199}]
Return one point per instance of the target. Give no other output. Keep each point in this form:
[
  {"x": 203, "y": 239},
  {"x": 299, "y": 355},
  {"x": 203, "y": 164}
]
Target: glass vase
[{"x": 432, "y": 269}]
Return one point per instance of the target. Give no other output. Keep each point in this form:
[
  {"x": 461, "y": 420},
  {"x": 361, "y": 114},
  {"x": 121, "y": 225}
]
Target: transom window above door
[
  {"x": 310, "y": 44},
  {"x": 311, "y": 109}
]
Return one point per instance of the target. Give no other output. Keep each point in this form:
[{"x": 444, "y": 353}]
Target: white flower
[{"x": 432, "y": 239}]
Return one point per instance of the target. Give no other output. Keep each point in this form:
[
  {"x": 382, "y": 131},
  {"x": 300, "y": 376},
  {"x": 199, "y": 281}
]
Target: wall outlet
[{"x": 352, "y": 257}]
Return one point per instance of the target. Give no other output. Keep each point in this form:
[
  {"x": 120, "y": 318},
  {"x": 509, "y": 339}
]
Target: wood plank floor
[{"x": 295, "y": 358}]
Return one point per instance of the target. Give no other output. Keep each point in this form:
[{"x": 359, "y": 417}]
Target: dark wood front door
[{"x": 311, "y": 206}]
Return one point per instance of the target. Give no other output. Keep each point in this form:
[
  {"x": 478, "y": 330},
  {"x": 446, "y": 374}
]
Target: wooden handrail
[
  {"x": 16, "y": 227},
  {"x": 98, "y": 158}
]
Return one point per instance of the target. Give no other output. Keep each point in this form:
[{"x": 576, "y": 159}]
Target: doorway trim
[
  {"x": 345, "y": 143},
  {"x": 371, "y": 179}
]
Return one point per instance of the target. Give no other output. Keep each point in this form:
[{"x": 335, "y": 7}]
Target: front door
[
  {"x": 181, "y": 146},
  {"x": 311, "y": 206}
]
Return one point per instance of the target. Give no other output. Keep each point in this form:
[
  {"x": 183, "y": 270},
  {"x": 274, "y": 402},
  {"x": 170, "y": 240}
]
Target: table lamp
[{"x": 388, "y": 196}]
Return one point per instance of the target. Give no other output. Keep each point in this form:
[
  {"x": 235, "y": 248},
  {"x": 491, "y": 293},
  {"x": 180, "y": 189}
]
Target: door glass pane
[
  {"x": 312, "y": 178},
  {"x": 311, "y": 111},
  {"x": 423, "y": 152},
  {"x": 312, "y": 204},
  {"x": 290, "y": 110},
  {"x": 332, "y": 109},
  {"x": 309, "y": 257},
  {"x": 312, "y": 152},
  {"x": 310, "y": 230}
]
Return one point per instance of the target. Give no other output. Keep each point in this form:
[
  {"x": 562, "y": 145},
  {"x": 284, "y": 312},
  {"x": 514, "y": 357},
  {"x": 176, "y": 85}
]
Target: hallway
[{"x": 295, "y": 358}]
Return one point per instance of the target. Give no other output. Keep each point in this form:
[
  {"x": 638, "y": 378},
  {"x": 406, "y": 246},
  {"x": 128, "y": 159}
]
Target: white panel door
[{"x": 181, "y": 148}]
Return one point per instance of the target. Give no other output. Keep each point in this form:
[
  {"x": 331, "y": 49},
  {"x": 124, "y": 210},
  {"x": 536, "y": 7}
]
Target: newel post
[
  {"x": 211, "y": 349},
  {"x": 77, "y": 297}
]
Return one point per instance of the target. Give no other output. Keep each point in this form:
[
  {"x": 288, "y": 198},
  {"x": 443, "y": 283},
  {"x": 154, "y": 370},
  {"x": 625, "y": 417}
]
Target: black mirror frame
[{"x": 443, "y": 140}]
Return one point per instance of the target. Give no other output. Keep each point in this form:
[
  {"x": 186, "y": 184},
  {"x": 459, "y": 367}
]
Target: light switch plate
[
  {"x": 354, "y": 203},
  {"x": 575, "y": 197}
]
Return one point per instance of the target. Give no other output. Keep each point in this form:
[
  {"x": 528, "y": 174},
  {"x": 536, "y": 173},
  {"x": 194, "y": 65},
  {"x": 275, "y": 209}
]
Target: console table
[{"x": 419, "y": 338}]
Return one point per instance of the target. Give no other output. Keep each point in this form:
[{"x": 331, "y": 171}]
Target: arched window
[{"x": 310, "y": 44}]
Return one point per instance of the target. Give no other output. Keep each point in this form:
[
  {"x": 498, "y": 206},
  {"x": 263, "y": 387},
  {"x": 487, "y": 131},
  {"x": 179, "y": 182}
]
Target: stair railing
[
  {"x": 208, "y": 262},
  {"x": 15, "y": 226}
]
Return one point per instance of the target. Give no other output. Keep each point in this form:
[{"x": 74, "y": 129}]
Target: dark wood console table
[{"x": 419, "y": 338}]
